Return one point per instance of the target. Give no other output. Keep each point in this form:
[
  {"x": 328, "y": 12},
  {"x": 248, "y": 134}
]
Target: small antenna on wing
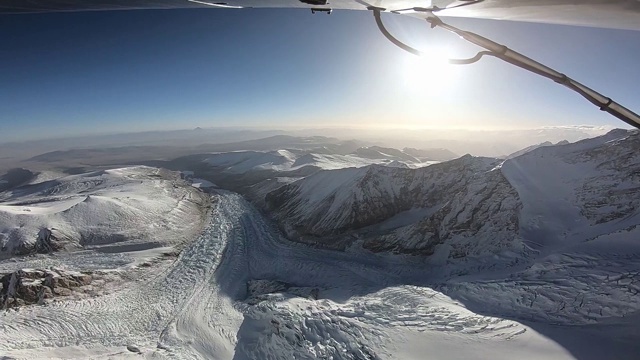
[{"x": 515, "y": 58}]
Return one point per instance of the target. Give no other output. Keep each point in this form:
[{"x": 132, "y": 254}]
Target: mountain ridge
[{"x": 332, "y": 205}]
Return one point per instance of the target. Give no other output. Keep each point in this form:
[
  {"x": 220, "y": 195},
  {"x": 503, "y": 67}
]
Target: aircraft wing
[{"x": 620, "y": 14}]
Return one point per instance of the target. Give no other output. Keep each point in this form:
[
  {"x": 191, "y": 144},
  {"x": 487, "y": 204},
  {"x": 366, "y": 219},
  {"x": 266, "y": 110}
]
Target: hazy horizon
[
  {"x": 292, "y": 128},
  {"x": 175, "y": 143}
]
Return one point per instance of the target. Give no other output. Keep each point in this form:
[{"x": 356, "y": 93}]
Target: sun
[{"x": 428, "y": 74}]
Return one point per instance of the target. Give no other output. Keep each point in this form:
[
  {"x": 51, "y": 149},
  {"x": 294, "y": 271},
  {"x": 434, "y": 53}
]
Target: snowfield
[
  {"x": 240, "y": 162},
  {"x": 532, "y": 257},
  {"x": 136, "y": 205},
  {"x": 198, "y": 307}
]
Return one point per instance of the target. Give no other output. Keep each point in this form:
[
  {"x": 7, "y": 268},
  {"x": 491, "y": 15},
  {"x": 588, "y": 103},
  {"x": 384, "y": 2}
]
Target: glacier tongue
[
  {"x": 195, "y": 307},
  {"x": 362, "y": 307}
]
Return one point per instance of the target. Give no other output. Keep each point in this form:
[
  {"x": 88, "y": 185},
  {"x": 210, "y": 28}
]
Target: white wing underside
[{"x": 620, "y": 14}]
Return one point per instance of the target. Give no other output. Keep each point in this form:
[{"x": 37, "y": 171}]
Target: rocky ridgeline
[
  {"x": 470, "y": 206},
  {"x": 35, "y": 286},
  {"x": 463, "y": 199}
]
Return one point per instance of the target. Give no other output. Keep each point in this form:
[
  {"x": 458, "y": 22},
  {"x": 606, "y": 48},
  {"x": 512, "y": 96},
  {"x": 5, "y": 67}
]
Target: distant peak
[{"x": 619, "y": 132}]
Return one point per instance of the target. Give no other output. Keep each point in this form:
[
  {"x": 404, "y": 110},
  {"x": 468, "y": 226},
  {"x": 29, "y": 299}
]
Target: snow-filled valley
[
  {"x": 198, "y": 307},
  {"x": 533, "y": 257}
]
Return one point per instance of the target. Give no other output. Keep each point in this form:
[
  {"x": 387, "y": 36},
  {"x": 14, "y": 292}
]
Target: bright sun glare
[{"x": 430, "y": 73}]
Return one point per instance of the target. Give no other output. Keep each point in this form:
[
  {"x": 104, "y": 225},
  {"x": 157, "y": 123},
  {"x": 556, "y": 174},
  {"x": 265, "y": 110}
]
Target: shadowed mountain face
[
  {"x": 154, "y": 150},
  {"x": 548, "y": 197},
  {"x": 15, "y": 177},
  {"x": 404, "y": 210}
]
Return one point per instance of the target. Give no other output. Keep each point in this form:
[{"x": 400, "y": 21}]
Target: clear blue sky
[{"x": 91, "y": 72}]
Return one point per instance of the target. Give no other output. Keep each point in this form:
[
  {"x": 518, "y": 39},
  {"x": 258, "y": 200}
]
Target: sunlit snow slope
[
  {"x": 133, "y": 205},
  {"x": 240, "y": 162}
]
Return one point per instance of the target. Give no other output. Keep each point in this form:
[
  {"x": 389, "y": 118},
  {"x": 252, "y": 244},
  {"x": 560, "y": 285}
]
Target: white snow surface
[
  {"x": 239, "y": 162},
  {"x": 195, "y": 308},
  {"x": 574, "y": 296},
  {"x": 577, "y": 192},
  {"x": 202, "y": 183},
  {"x": 135, "y": 204}
]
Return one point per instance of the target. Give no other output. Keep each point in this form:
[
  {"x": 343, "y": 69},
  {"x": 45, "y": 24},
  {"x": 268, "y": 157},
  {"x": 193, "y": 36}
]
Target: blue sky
[{"x": 92, "y": 72}]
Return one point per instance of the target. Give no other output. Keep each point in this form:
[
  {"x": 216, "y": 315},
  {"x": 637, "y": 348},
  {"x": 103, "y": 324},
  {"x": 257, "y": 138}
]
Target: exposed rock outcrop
[
  {"x": 259, "y": 290},
  {"x": 35, "y": 286}
]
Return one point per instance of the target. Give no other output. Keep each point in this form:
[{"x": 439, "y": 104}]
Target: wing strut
[{"x": 504, "y": 53}]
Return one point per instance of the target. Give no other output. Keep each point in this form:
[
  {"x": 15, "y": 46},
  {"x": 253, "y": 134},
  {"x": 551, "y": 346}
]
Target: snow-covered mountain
[
  {"x": 241, "y": 162},
  {"x": 434, "y": 154},
  {"x": 403, "y": 210},
  {"x": 135, "y": 204},
  {"x": 256, "y": 173},
  {"x": 532, "y": 257},
  {"x": 533, "y": 147},
  {"x": 377, "y": 152},
  {"x": 528, "y": 148},
  {"x": 471, "y": 206},
  {"x": 579, "y": 191},
  {"x": 239, "y": 292}
]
